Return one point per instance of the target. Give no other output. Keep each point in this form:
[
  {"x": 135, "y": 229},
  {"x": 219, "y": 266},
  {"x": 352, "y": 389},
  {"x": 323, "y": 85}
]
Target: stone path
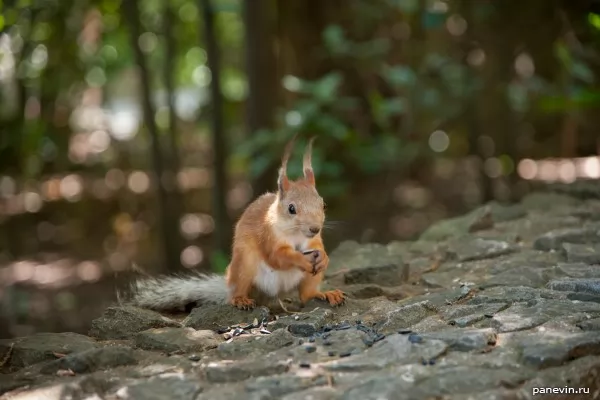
[{"x": 502, "y": 303}]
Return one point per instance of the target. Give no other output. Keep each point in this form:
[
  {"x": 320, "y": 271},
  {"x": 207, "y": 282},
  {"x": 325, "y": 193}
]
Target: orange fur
[{"x": 270, "y": 237}]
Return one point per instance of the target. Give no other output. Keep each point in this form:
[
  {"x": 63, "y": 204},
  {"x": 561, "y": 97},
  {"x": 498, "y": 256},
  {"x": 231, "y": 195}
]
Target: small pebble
[
  {"x": 346, "y": 354},
  {"x": 300, "y": 341},
  {"x": 296, "y": 317},
  {"x": 223, "y": 329},
  {"x": 327, "y": 343},
  {"x": 432, "y": 362},
  {"x": 331, "y": 353},
  {"x": 327, "y": 328},
  {"x": 363, "y": 328},
  {"x": 378, "y": 337},
  {"x": 368, "y": 342},
  {"x": 414, "y": 338},
  {"x": 310, "y": 349},
  {"x": 194, "y": 357},
  {"x": 304, "y": 365},
  {"x": 344, "y": 326},
  {"x": 265, "y": 332},
  {"x": 404, "y": 331},
  {"x": 238, "y": 332},
  {"x": 424, "y": 361},
  {"x": 461, "y": 323},
  {"x": 311, "y": 339},
  {"x": 358, "y": 322},
  {"x": 326, "y": 336},
  {"x": 488, "y": 315}
]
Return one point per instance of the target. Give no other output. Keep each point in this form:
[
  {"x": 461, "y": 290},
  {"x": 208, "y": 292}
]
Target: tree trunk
[
  {"x": 222, "y": 234},
  {"x": 167, "y": 224},
  {"x": 176, "y": 204},
  {"x": 473, "y": 127},
  {"x": 263, "y": 78},
  {"x": 169, "y": 71}
]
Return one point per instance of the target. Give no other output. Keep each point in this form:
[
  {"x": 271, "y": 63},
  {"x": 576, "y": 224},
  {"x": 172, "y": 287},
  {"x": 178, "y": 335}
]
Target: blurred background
[{"x": 133, "y": 134}]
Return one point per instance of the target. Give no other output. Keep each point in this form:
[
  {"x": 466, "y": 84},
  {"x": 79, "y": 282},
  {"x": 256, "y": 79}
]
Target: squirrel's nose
[{"x": 314, "y": 229}]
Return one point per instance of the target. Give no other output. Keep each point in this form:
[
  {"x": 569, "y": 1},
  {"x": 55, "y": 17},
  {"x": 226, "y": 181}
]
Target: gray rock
[
  {"x": 63, "y": 390},
  {"x": 582, "y": 189},
  {"x": 513, "y": 306},
  {"x": 589, "y": 325},
  {"x": 10, "y": 382},
  {"x": 392, "y": 317},
  {"x": 439, "y": 299},
  {"x": 579, "y": 270},
  {"x": 545, "y": 201},
  {"x": 464, "y": 340},
  {"x": 525, "y": 258},
  {"x": 350, "y": 255},
  {"x": 479, "y": 219},
  {"x": 361, "y": 291},
  {"x": 217, "y": 316},
  {"x": 243, "y": 347},
  {"x": 468, "y": 380},
  {"x": 531, "y": 314},
  {"x": 498, "y": 394},
  {"x": 277, "y": 386},
  {"x": 381, "y": 386},
  {"x": 350, "y": 341},
  {"x": 384, "y": 275},
  {"x": 125, "y": 322},
  {"x": 555, "y": 239},
  {"x": 92, "y": 360},
  {"x": 524, "y": 276},
  {"x": 169, "y": 386},
  {"x": 510, "y": 294},
  {"x": 304, "y": 324},
  {"x": 585, "y": 253},
  {"x": 177, "y": 340},
  {"x": 395, "y": 349},
  {"x": 466, "y": 315},
  {"x": 29, "y": 350},
  {"x": 589, "y": 286},
  {"x": 317, "y": 393},
  {"x": 577, "y": 379},
  {"x": 543, "y": 351},
  {"x": 223, "y": 372},
  {"x": 472, "y": 249},
  {"x": 476, "y": 220}
]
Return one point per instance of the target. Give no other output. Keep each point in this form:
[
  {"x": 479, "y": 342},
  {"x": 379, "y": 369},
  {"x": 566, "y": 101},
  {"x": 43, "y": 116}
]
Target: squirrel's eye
[{"x": 292, "y": 209}]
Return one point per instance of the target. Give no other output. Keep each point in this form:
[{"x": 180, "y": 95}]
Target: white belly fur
[{"x": 275, "y": 282}]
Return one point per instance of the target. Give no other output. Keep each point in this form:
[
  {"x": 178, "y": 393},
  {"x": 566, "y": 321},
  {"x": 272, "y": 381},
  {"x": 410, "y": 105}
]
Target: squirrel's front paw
[
  {"x": 306, "y": 265},
  {"x": 321, "y": 261}
]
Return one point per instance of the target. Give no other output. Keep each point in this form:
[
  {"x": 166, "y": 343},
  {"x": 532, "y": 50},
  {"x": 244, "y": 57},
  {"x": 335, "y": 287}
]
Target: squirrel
[{"x": 277, "y": 248}]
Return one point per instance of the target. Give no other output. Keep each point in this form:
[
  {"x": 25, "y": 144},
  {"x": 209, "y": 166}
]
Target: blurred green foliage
[{"x": 382, "y": 76}]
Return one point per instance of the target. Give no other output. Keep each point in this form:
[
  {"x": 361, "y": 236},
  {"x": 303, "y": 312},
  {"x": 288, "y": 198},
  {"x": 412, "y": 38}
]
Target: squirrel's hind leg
[
  {"x": 309, "y": 289},
  {"x": 240, "y": 277}
]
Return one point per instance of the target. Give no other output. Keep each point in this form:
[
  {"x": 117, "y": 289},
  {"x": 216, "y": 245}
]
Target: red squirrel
[{"x": 277, "y": 248}]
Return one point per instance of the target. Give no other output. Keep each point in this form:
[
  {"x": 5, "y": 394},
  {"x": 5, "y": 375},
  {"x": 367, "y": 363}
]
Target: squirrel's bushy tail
[{"x": 172, "y": 292}]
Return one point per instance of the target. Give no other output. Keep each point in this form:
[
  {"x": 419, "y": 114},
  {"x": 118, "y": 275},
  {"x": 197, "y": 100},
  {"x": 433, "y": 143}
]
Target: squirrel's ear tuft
[
  {"x": 283, "y": 183},
  {"x": 309, "y": 174}
]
